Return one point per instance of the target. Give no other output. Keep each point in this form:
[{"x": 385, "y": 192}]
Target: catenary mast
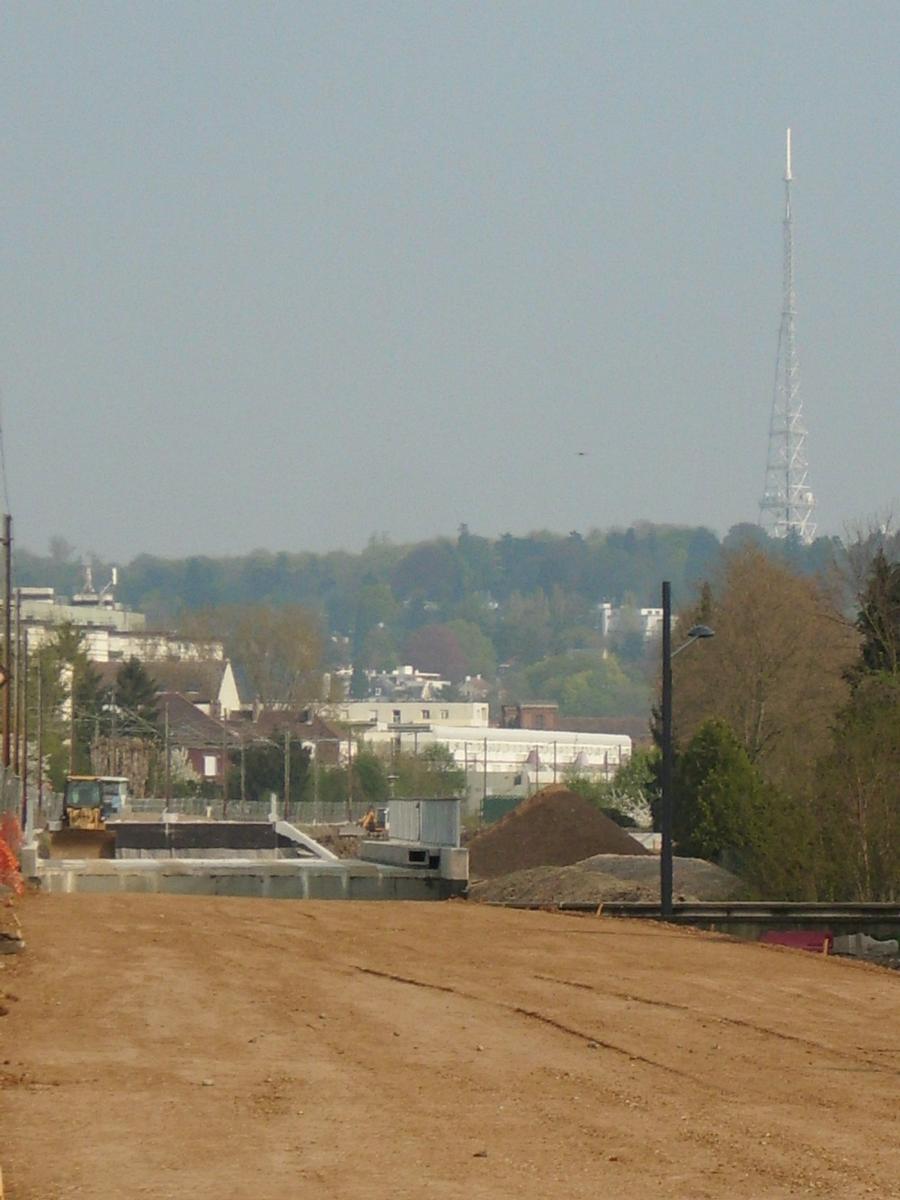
[{"x": 786, "y": 508}]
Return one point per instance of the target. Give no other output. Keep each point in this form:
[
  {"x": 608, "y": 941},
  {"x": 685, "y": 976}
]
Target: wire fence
[
  {"x": 10, "y": 791},
  {"x": 49, "y": 807},
  {"x": 298, "y": 812},
  {"x": 10, "y": 831}
]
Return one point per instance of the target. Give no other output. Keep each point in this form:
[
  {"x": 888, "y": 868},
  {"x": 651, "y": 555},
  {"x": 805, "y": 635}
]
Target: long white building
[{"x": 511, "y": 762}]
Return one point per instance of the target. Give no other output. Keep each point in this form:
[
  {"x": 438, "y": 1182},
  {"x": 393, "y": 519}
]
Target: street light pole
[
  {"x": 668, "y": 807},
  {"x": 665, "y": 862}
]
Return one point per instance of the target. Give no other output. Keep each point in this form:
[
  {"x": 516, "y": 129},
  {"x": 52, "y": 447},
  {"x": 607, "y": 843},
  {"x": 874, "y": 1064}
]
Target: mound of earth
[{"x": 554, "y": 827}]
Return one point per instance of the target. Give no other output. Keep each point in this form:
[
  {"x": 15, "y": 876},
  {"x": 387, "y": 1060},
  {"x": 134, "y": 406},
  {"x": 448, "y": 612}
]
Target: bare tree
[
  {"x": 279, "y": 650},
  {"x": 776, "y": 669}
]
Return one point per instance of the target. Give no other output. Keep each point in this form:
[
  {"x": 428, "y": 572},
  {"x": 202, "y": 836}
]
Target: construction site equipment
[{"x": 89, "y": 802}]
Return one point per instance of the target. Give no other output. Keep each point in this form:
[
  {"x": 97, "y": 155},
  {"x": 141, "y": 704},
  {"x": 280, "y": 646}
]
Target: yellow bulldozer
[{"x": 89, "y": 803}]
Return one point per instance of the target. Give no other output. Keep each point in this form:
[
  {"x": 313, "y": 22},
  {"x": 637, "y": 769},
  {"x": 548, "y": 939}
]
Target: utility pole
[
  {"x": 350, "y": 774},
  {"x": 225, "y": 771},
  {"x": 484, "y": 774},
  {"x": 113, "y": 730},
  {"x": 72, "y": 724},
  {"x": 40, "y": 737},
  {"x": 25, "y": 734},
  {"x": 168, "y": 758},
  {"x": 287, "y": 771},
  {"x": 316, "y": 780},
  {"x": 243, "y": 770},
  {"x": 665, "y": 858},
  {"x": 17, "y": 685},
  {"x": 7, "y": 632}
]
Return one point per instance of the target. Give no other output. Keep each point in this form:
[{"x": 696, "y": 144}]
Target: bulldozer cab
[{"x": 91, "y": 800}]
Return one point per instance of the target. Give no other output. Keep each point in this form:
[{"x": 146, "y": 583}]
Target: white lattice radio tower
[{"x": 786, "y": 508}]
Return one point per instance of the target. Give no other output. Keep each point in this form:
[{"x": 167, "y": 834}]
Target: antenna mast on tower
[{"x": 786, "y": 508}]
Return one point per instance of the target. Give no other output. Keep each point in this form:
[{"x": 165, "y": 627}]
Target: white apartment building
[
  {"x": 111, "y": 632},
  {"x": 649, "y": 620}
]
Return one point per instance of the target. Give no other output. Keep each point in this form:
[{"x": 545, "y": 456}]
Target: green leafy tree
[
  {"x": 359, "y": 682},
  {"x": 370, "y": 784},
  {"x": 370, "y": 779},
  {"x": 717, "y": 792},
  {"x": 379, "y": 650},
  {"x": 89, "y": 699},
  {"x": 71, "y": 701},
  {"x": 725, "y": 812},
  {"x": 263, "y": 769},
  {"x": 586, "y": 685},
  {"x": 633, "y": 790},
  {"x": 431, "y": 772},
  {"x": 599, "y": 792},
  {"x": 477, "y": 648},
  {"x": 858, "y": 799}
]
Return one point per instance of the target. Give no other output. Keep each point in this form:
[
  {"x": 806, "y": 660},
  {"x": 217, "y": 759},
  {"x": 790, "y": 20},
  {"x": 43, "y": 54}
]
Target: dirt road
[{"x": 241, "y": 1049}]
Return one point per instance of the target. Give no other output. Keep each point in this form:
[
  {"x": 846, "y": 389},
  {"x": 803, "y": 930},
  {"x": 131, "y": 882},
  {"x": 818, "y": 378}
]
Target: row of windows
[{"x": 426, "y": 715}]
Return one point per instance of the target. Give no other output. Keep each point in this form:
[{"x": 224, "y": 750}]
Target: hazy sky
[{"x": 289, "y": 274}]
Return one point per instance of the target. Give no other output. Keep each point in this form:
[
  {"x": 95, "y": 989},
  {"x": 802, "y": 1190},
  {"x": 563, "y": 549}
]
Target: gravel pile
[
  {"x": 605, "y": 878},
  {"x": 553, "y": 885},
  {"x": 692, "y": 878}
]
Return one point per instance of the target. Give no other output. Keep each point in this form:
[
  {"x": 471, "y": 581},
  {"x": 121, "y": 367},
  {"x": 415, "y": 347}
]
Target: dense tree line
[
  {"x": 788, "y": 733},
  {"x": 439, "y": 575},
  {"x": 462, "y": 606}
]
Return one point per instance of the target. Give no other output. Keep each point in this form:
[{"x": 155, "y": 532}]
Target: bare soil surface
[{"x": 183, "y": 1047}]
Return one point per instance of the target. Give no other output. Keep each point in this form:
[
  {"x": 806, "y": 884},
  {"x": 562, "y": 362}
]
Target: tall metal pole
[
  {"x": 243, "y": 770},
  {"x": 350, "y": 773},
  {"x": 316, "y": 780},
  {"x": 40, "y": 736},
  {"x": 7, "y": 632},
  {"x": 665, "y": 858},
  {"x": 168, "y": 764},
  {"x": 287, "y": 771},
  {"x": 25, "y": 731},
  {"x": 72, "y": 723},
  {"x": 484, "y": 773},
  {"x": 113, "y": 733},
  {"x": 17, "y": 698},
  {"x": 225, "y": 771}
]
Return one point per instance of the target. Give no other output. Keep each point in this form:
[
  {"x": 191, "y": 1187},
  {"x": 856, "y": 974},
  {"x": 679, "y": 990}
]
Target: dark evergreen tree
[
  {"x": 879, "y": 617},
  {"x": 263, "y": 768},
  {"x": 135, "y": 700}
]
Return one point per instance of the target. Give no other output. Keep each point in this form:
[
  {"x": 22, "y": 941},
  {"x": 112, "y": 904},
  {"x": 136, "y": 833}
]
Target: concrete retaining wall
[{"x": 346, "y": 879}]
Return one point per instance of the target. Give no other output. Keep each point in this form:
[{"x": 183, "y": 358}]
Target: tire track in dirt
[
  {"x": 588, "y": 1038},
  {"x": 735, "y": 1022}
]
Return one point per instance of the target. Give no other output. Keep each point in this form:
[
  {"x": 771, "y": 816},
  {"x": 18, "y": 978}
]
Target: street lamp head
[{"x": 701, "y": 631}]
